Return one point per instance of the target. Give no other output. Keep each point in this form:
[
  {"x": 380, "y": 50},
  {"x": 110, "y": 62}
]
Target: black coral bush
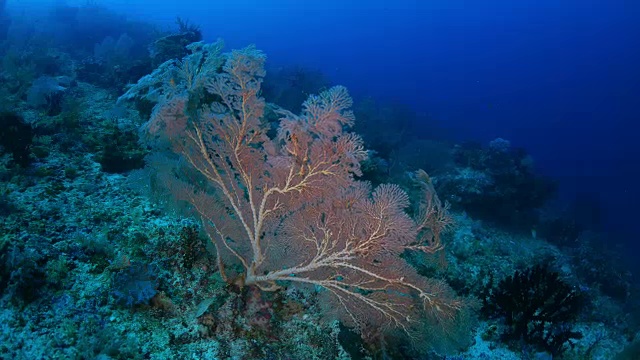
[{"x": 538, "y": 308}]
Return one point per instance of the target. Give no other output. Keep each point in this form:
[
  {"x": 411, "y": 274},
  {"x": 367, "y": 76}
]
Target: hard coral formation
[
  {"x": 16, "y": 137},
  {"x": 497, "y": 184}
]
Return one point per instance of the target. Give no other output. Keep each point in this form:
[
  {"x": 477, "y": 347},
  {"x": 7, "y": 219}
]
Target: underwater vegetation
[
  {"x": 164, "y": 198},
  {"x": 538, "y": 308}
]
